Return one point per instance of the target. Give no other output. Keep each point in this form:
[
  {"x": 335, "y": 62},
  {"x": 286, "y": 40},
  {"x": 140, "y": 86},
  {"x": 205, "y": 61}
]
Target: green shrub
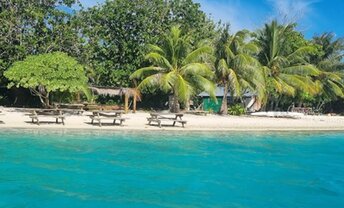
[{"x": 236, "y": 110}]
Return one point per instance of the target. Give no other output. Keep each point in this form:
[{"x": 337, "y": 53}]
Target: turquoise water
[{"x": 166, "y": 169}]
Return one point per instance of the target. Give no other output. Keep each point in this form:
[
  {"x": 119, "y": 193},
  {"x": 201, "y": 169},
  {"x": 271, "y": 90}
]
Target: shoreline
[
  {"x": 175, "y": 129},
  {"x": 16, "y": 119}
]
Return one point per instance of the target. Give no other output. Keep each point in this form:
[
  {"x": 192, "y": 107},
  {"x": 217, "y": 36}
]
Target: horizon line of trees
[{"x": 172, "y": 47}]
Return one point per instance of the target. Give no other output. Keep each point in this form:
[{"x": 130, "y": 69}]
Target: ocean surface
[{"x": 169, "y": 169}]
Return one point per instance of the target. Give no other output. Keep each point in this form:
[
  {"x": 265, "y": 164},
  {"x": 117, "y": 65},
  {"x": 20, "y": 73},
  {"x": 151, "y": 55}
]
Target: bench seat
[
  {"x": 158, "y": 121},
  {"x": 38, "y": 118},
  {"x": 100, "y": 118}
]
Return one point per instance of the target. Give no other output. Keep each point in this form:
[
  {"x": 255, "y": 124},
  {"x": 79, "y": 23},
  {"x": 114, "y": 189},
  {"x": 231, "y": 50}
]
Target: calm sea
[{"x": 169, "y": 169}]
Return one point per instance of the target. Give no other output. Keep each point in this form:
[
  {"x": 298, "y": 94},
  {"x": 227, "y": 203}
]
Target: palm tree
[
  {"x": 176, "y": 68},
  {"x": 285, "y": 71},
  {"x": 329, "y": 62},
  {"x": 237, "y": 69}
]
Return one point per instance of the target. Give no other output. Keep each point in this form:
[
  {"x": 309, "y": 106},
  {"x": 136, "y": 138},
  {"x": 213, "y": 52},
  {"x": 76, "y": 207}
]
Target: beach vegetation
[
  {"x": 177, "y": 68},
  {"x": 48, "y": 73},
  {"x": 117, "y": 33},
  {"x": 237, "y": 68},
  {"x": 329, "y": 61},
  {"x": 236, "y": 110},
  {"x": 285, "y": 68},
  {"x": 169, "y": 49},
  {"x": 31, "y": 27}
]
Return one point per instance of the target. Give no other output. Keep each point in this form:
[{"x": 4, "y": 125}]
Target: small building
[{"x": 209, "y": 104}]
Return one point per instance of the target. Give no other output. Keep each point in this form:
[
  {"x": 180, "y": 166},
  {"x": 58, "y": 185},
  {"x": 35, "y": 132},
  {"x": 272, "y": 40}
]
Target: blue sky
[{"x": 312, "y": 16}]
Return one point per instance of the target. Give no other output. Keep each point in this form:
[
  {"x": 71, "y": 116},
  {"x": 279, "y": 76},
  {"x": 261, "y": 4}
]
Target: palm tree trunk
[
  {"x": 175, "y": 105},
  {"x": 187, "y": 105},
  {"x": 224, "y": 107}
]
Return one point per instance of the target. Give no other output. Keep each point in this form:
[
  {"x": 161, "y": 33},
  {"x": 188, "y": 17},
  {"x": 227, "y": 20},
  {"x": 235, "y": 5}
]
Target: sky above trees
[{"x": 313, "y": 16}]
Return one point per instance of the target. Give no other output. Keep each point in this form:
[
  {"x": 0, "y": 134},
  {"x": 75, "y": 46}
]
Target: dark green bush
[{"x": 236, "y": 110}]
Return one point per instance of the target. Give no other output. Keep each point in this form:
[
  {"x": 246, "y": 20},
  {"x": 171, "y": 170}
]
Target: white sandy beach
[{"x": 12, "y": 118}]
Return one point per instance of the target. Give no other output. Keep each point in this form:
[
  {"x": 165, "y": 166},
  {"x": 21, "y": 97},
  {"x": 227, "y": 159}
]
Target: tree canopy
[
  {"x": 119, "y": 31},
  {"x": 177, "y": 68},
  {"x": 47, "y": 73},
  {"x": 30, "y": 27},
  {"x": 329, "y": 61},
  {"x": 237, "y": 69},
  {"x": 286, "y": 69}
]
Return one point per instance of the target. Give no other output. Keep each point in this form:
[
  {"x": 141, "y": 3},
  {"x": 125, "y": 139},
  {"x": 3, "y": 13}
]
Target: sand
[{"x": 14, "y": 118}]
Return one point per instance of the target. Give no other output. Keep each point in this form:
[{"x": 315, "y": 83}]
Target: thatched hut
[{"x": 119, "y": 91}]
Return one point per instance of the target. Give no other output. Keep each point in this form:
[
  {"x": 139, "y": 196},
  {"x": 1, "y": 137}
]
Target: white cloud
[
  {"x": 302, "y": 12},
  {"x": 292, "y": 10},
  {"x": 253, "y": 14}
]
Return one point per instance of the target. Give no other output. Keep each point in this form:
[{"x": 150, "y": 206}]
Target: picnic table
[
  {"x": 159, "y": 117},
  {"x": 78, "y": 108},
  {"x": 38, "y": 114},
  {"x": 198, "y": 112},
  {"x": 107, "y": 115},
  {"x": 304, "y": 110}
]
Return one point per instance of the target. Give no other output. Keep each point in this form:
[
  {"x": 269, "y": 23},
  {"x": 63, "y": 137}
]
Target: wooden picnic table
[
  {"x": 79, "y": 108},
  {"x": 167, "y": 115},
  {"x": 37, "y": 114},
  {"x": 198, "y": 112},
  {"x": 304, "y": 110},
  {"x": 158, "y": 117},
  {"x": 107, "y": 115}
]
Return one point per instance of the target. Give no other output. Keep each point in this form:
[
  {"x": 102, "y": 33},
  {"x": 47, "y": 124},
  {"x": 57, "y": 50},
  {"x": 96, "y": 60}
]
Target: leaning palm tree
[
  {"x": 176, "y": 68},
  {"x": 237, "y": 69},
  {"x": 285, "y": 72},
  {"x": 329, "y": 62}
]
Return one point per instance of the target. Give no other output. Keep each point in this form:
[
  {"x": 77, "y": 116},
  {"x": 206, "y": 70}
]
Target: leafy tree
[
  {"x": 285, "y": 71},
  {"x": 237, "y": 69},
  {"x": 330, "y": 63},
  {"x": 47, "y": 73},
  {"x": 177, "y": 68},
  {"x": 191, "y": 19},
  {"x": 31, "y": 27},
  {"x": 117, "y": 33}
]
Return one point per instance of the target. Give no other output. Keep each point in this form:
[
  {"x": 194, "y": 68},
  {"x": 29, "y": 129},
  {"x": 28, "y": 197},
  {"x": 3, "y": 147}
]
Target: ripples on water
[{"x": 169, "y": 169}]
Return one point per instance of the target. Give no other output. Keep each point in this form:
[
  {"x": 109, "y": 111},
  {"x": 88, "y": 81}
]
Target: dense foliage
[
  {"x": 113, "y": 40},
  {"x": 329, "y": 62},
  {"x": 177, "y": 68},
  {"x": 236, "y": 110},
  {"x": 237, "y": 68},
  {"x": 30, "y": 27},
  {"x": 119, "y": 31},
  {"x": 47, "y": 73}
]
